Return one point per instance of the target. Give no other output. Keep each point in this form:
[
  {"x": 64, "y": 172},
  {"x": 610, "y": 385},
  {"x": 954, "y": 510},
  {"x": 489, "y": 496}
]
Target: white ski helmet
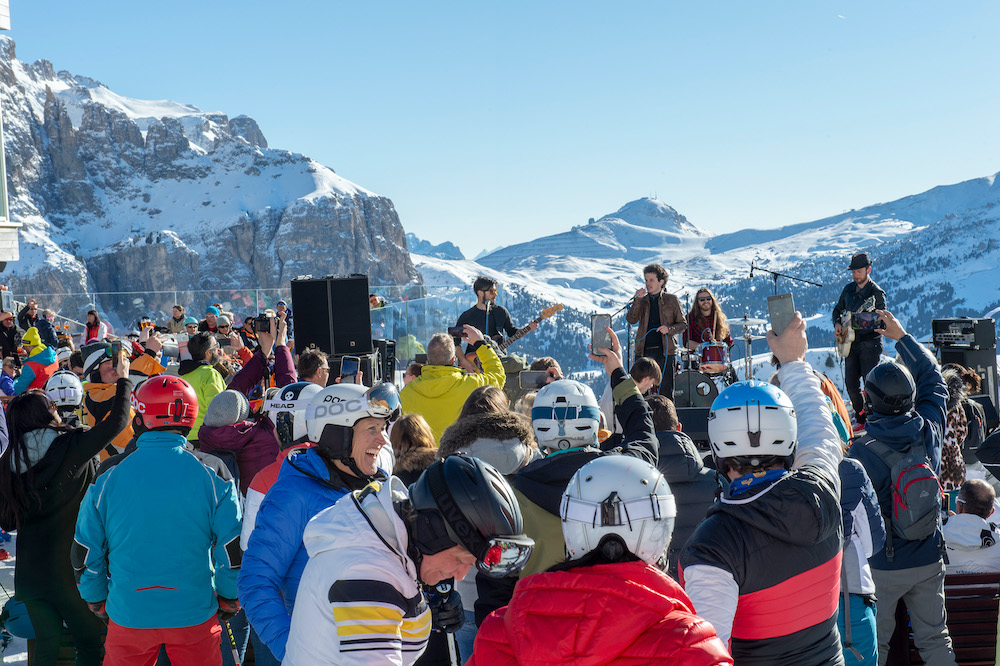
[
  {"x": 333, "y": 411},
  {"x": 752, "y": 420},
  {"x": 565, "y": 415},
  {"x": 618, "y": 495},
  {"x": 287, "y": 410},
  {"x": 64, "y": 389}
]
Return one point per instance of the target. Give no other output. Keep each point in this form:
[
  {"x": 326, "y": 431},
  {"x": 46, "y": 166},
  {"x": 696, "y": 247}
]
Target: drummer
[{"x": 706, "y": 322}]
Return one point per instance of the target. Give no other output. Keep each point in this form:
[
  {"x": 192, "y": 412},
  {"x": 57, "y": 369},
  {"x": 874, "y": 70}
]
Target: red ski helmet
[{"x": 165, "y": 401}]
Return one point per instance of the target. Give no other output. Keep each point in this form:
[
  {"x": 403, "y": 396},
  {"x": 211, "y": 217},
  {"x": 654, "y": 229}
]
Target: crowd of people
[{"x": 178, "y": 498}]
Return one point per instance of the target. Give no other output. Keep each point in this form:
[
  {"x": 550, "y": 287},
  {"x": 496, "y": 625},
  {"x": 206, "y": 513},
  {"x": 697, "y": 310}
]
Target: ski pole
[
  {"x": 232, "y": 642},
  {"x": 444, "y": 589}
]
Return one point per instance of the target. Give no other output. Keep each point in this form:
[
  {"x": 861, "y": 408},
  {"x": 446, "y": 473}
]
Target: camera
[
  {"x": 262, "y": 324},
  {"x": 456, "y": 331}
]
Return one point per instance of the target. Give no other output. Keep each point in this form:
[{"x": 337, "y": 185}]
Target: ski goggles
[
  {"x": 615, "y": 511},
  {"x": 505, "y": 555},
  {"x": 563, "y": 413},
  {"x": 383, "y": 401}
]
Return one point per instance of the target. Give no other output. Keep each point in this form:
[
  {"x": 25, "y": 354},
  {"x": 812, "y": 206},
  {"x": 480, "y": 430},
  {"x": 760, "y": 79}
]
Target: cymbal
[
  {"x": 748, "y": 321},
  {"x": 751, "y": 337}
]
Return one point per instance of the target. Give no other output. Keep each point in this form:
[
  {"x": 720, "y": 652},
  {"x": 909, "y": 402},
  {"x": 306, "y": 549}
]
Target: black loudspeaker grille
[
  {"x": 311, "y": 305},
  {"x": 333, "y": 314}
]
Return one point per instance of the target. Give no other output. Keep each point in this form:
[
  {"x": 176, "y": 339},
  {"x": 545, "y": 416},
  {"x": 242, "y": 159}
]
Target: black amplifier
[{"x": 964, "y": 332}]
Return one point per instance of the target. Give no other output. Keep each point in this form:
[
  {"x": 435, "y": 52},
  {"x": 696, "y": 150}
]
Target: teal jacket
[{"x": 158, "y": 536}]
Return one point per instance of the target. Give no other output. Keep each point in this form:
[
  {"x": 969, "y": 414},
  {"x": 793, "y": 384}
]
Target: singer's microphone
[{"x": 751, "y": 269}]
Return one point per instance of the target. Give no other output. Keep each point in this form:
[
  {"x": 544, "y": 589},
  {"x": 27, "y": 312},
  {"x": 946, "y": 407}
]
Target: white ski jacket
[
  {"x": 972, "y": 544},
  {"x": 359, "y": 601}
]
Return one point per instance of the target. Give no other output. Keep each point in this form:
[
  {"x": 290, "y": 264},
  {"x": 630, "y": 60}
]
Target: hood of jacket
[
  {"x": 190, "y": 366},
  {"x": 42, "y": 356},
  {"x": 436, "y": 380},
  {"x": 789, "y": 509},
  {"x": 414, "y": 460},
  {"x": 896, "y": 431},
  {"x": 504, "y": 440},
  {"x": 36, "y": 445},
  {"x": 969, "y": 532},
  {"x": 679, "y": 460}
]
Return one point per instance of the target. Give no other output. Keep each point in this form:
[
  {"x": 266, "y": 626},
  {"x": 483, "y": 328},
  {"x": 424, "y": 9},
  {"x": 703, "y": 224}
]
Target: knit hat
[
  {"x": 211, "y": 309},
  {"x": 94, "y": 354},
  {"x": 31, "y": 337},
  {"x": 190, "y": 320},
  {"x": 227, "y": 408},
  {"x": 223, "y": 320}
]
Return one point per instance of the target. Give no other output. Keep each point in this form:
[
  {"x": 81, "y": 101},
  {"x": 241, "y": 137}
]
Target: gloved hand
[
  {"x": 97, "y": 608},
  {"x": 228, "y": 608},
  {"x": 445, "y": 602}
]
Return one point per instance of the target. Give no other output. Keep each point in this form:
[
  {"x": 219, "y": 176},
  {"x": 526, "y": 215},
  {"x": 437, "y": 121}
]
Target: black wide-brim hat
[{"x": 860, "y": 260}]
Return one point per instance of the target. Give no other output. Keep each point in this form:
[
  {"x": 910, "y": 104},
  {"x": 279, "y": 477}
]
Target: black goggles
[{"x": 505, "y": 555}]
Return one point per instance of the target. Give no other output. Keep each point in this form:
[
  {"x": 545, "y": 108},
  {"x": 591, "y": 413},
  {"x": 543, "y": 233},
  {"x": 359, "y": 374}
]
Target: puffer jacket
[
  {"x": 692, "y": 484},
  {"x": 764, "y": 567},
  {"x": 924, "y": 424},
  {"x": 622, "y": 613},
  {"x": 207, "y": 383},
  {"x": 973, "y": 544},
  {"x": 188, "y": 546},
  {"x": 440, "y": 391},
  {"x": 276, "y": 556},
  {"x": 37, "y": 369},
  {"x": 505, "y": 440},
  {"x": 360, "y": 602},
  {"x": 253, "y": 442}
]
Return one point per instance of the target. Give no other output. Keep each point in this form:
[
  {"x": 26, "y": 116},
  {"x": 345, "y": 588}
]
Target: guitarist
[
  {"x": 867, "y": 347},
  {"x": 493, "y": 320}
]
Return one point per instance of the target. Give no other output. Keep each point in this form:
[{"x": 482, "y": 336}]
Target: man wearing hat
[
  {"x": 867, "y": 347},
  {"x": 39, "y": 365},
  {"x": 211, "y": 321}
]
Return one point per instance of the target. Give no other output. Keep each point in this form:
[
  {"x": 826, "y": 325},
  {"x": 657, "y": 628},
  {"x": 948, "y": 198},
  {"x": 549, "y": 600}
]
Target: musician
[
  {"x": 867, "y": 346},
  {"x": 659, "y": 314},
  {"x": 494, "y": 320},
  {"x": 706, "y": 322}
]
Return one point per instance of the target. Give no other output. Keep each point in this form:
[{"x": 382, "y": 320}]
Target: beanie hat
[
  {"x": 190, "y": 320},
  {"x": 31, "y": 337},
  {"x": 211, "y": 309},
  {"x": 94, "y": 354},
  {"x": 227, "y": 408},
  {"x": 223, "y": 320}
]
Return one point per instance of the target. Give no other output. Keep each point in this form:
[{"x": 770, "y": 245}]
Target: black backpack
[{"x": 916, "y": 492}]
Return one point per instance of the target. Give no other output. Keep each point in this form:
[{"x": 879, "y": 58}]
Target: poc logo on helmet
[
  {"x": 136, "y": 405},
  {"x": 336, "y": 407}
]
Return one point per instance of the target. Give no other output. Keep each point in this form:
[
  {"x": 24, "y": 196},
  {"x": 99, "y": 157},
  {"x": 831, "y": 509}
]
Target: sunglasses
[{"x": 704, "y": 299}]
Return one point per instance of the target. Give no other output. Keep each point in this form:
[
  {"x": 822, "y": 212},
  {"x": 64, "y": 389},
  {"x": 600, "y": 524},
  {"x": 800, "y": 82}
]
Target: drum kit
[{"x": 708, "y": 370}]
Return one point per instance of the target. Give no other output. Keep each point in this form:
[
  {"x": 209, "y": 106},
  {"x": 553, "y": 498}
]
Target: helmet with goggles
[
  {"x": 64, "y": 389},
  {"x": 618, "y": 496},
  {"x": 286, "y": 407},
  {"x": 466, "y": 502},
  {"x": 565, "y": 415},
  {"x": 333, "y": 411}
]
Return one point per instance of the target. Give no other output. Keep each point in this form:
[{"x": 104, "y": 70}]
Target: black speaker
[
  {"x": 333, "y": 314},
  {"x": 371, "y": 368},
  {"x": 386, "y": 350},
  {"x": 694, "y": 422},
  {"x": 982, "y": 361}
]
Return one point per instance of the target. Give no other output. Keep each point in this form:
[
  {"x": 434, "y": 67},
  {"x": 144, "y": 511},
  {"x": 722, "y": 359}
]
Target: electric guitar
[
  {"x": 519, "y": 333},
  {"x": 846, "y": 337}
]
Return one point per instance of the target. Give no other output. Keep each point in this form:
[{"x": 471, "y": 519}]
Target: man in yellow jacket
[{"x": 441, "y": 389}]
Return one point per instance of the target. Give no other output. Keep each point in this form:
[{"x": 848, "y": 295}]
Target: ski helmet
[
  {"x": 621, "y": 496},
  {"x": 287, "y": 410},
  {"x": 889, "y": 390},
  {"x": 464, "y": 501},
  {"x": 64, "y": 389},
  {"x": 752, "y": 420},
  {"x": 334, "y": 410},
  {"x": 565, "y": 415},
  {"x": 165, "y": 401}
]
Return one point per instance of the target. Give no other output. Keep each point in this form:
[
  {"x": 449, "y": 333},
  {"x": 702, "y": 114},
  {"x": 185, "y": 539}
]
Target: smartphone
[
  {"x": 532, "y": 379},
  {"x": 116, "y": 353},
  {"x": 781, "y": 309},
  {"x": 867, "y": 321},
  {"x": 456, "y": 331},
  {"x": 599, "y": 337},
  {"x": 349, "y": 366}
]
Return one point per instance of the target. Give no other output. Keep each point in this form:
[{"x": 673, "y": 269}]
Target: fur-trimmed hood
[
  {"x": 414, "y": 460},
  {"x": 505, "y": 440}
]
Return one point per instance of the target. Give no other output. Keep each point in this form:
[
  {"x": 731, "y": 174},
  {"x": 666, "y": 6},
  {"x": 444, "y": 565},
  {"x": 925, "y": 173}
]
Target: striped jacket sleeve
[{"x": 376, "y": 624}]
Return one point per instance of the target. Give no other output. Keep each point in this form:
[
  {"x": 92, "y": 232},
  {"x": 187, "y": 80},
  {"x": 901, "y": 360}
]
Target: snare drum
[
  {"x": 714, "y": 358},
  {"x": 693, "y": 389}
]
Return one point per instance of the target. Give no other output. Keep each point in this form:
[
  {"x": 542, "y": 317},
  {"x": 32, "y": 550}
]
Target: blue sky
[{"x": 494, "y": 123}]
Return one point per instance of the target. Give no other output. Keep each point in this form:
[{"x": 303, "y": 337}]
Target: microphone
[{"x": 751, "y": 268}]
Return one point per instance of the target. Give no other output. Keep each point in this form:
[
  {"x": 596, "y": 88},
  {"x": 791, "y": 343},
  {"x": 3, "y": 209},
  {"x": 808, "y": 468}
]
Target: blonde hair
[{"x": 411, "y": 432}]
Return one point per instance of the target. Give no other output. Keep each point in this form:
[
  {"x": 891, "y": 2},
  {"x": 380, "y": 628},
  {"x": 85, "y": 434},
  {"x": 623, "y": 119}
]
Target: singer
[
  {"x": 660, "y": 319},
  {"x": 493, "y": 320}
]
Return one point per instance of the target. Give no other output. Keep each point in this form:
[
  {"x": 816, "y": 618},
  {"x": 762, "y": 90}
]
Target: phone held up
[
  {"x": 349, "y": 366},
  {"x": 456, "y": 331},
  {"x": 781, "y": 309},
  {"x": 532, "y": 379},
  {"x": 599, "y": 336}
]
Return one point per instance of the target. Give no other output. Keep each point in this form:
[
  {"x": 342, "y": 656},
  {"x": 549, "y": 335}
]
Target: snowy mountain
[
  {"x": 936, "y": 254},
  {"x": 445, "y": 250},
  {"x": 124, "y": 195}
]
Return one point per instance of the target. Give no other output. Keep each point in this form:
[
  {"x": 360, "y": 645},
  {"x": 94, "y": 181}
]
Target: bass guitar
[{"x": 846, "y": 337}]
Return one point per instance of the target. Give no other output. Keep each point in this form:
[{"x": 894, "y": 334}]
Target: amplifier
[{"x": 964, "y": 332}]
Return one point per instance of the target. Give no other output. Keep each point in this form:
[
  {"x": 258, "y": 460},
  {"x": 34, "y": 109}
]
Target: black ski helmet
[
  {"x": 464, "y": 501},
  {"x": 889, "y": 390}
]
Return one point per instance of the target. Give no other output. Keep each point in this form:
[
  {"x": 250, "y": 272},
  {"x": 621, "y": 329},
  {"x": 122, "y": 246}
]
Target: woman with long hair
[
  {"x": 413, "y": 445},
  {"x": 96, "y": 329},
  {"x": 44, "y": 473},
  {"x": 706, "y": 322}
]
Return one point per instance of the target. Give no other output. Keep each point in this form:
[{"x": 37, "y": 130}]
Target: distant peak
[{"x": 654, "y": 214}]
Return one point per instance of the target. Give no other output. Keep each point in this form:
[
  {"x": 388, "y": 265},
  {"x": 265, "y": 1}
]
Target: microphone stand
[
  {"x": 775, "y": 275},
  {"x": 627, "y": 359}
]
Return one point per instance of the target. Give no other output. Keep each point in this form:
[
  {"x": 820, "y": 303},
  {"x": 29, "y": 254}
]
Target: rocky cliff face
[{"x": 123, "y": 195}]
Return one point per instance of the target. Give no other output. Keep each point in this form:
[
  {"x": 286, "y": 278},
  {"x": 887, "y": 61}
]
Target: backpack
[{"x": 915, "y": 490}]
